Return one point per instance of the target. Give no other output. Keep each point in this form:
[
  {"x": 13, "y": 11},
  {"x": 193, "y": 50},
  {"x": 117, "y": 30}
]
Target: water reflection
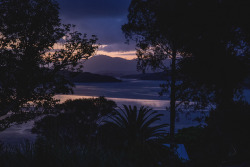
[
  {"x": 155, "y": 104},
  {"x": 128, "y": 89},
  {"x": 129, "y": 92},
  {"x": 184, "y": 119}
]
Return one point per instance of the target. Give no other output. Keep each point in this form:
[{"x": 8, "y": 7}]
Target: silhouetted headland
[{"x": 87, "y": 77}]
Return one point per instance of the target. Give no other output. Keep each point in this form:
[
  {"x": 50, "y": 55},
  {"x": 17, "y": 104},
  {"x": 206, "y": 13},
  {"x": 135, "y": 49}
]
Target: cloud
[
  {"x": 108, "y": 30},
  {"x": 94, "y": 8},
  {"x": 129, "y": 55},
  {"x": 121, "y": 47},
  {"x": 103, "y": 18}
]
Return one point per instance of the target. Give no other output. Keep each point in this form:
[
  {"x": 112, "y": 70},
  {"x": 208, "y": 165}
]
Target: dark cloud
[
  {"x": 94, "y": 8},
  {"x": 108, "y": 30},
  {"x": 103, "y": 18},
  {"x": 119, "y": 47}
]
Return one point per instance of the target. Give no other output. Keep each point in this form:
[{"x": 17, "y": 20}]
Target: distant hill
[
  {"x": 102, "y": 64},
  {"x": 148, "y": 76},
  {"x": 113, "y": 66},
  {"x": 86, "y": 77}
]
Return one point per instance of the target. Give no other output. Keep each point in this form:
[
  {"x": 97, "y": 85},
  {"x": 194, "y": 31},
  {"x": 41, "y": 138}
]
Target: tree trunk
[{"x": 172, "y": 106}]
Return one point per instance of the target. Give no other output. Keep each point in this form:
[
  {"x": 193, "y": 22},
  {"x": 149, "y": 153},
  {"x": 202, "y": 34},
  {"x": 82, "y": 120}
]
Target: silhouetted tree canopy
[
  {"x": 212, "y": 36},
  {"x": 158, "y": 28},
  {"x": 126, "y": 137},
  {"x": 214, "y": 33},
  {"x": 34, "y": 47},
  {"x": 220, "y": 46},
  {"x": 132, "y": 126},
  {"x": 135, "y": 131},
  {"x": 78, "y": 122},
  {"x": 211, "y": 40},
  {"x": 30, "y": 61}
]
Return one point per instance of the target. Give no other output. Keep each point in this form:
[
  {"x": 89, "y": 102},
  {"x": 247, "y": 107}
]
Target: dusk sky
[{"x": 103, "y": 18}]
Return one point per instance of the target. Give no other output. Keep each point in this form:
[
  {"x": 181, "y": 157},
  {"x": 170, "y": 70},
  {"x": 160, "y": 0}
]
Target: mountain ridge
[{"x": 106, "y": 65}]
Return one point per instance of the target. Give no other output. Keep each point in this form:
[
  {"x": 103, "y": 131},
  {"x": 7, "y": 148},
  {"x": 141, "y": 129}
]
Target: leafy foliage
[
  {"x": 211, "y": 36},
  {"x": 220, "y": 143},
  {"x": 77, "y": 123},
  {"x": 77, "y": 133},
  {"x": 30, "y": 31},
  {"x": 131, "y": 126},
  {"x": 42, "y": 154},
  {"x": 210, "y": 40},
  {"x": 34, "y": 48},
  {"x": 139, "y": 136}
]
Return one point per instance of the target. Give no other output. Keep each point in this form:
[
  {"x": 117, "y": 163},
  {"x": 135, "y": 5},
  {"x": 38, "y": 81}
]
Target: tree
[
  {"x": 135, "y": 133},
  {"x": 220, "y": 46},
  {"x": 135, "y": 126},
  {"x": 30, "y": 60},
  {"x": 158, "y": 27},
  {"x": 220, "y": 61},
  {"x": 212, "y": 36},
  {"x": 77, "y": 123}
]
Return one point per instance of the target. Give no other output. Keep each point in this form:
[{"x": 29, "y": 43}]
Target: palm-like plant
[
  {"x": 133, "y": 133},
  {"x": 132, "y": 126}
]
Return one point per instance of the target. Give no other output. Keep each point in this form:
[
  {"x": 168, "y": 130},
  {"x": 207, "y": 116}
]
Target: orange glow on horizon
[{"x": 129, "y": 55}]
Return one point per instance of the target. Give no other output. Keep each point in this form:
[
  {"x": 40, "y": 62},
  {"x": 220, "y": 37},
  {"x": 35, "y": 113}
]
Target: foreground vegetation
[
  {"x": 208, "y": 43},
  {"x": 91, "y": 132}
]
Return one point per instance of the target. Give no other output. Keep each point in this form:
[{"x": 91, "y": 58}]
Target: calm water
[{"x": 128, "y": 92}]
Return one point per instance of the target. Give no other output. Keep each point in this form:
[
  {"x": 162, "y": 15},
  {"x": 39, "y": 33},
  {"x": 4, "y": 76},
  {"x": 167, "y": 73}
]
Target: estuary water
[{"x": 129, "y": 92}]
